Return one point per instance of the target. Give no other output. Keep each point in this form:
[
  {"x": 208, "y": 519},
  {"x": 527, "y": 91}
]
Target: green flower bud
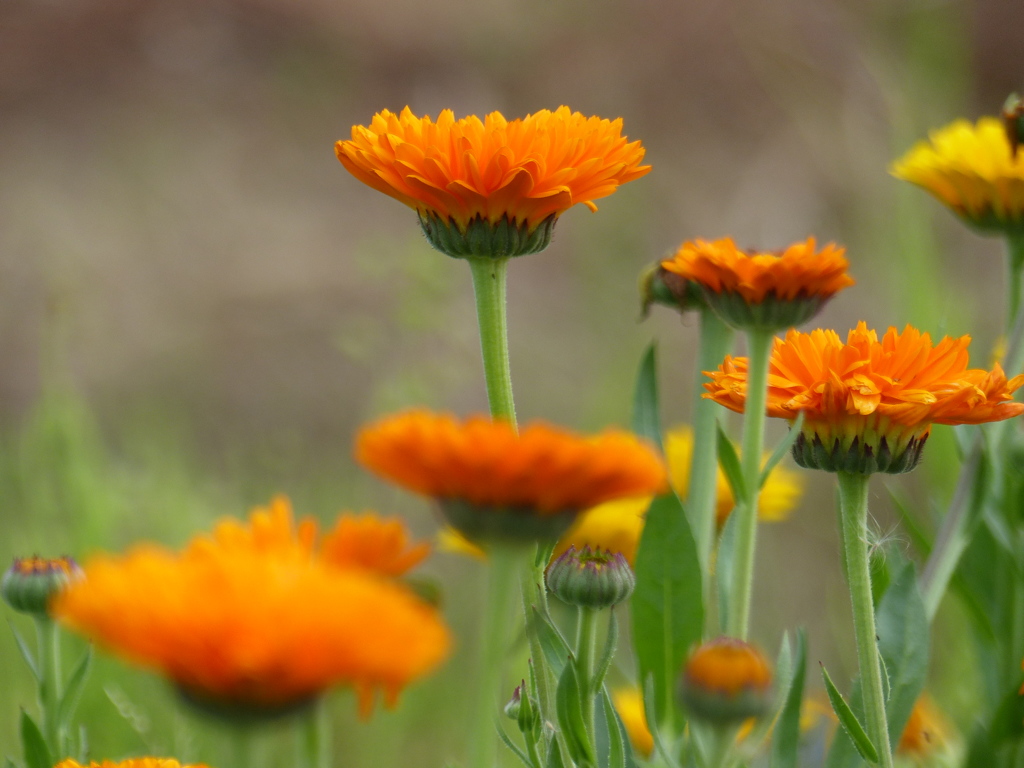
[
  {"x": 1013, "y": 120},
  {"x": 659, "y": 286},
  {"x": 590, "y": 578},
  {"x": 30, "y": 582}
]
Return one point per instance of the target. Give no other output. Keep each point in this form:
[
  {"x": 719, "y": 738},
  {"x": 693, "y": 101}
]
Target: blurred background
[{"x": 198, "y": 305}]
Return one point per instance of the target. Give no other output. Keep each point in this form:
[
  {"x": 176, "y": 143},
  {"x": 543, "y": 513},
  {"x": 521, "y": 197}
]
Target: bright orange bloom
[
  {"x": 769, "y": 289},
  {"x": 525, "y": 169},
  {"x": 726, "y": 680},
  {"x": 869, "y": 405},
  {"x": 483, "y": 471},
  {"x": 366, "y": 541},
  {"x": 137, "y": 762},
  {"x": 924, "y": 733},
  {"x": 252, "y": 618},
  {"x": 972, "y": 168}
]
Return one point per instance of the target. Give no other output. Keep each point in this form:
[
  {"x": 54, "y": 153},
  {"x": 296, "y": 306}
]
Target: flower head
[
  {"x": 869, "y": 404},
  {"x": 493, "y": 482},
  {"x": 974, "y": 169},
  {"x": 726, "y": 680},
  {"x": 492, "y": 187},
  {"x": 251, "y": 620},
  {"x": 925, "y": 731},
  {"x": 30, "y": 582},
  {"x": 136, "y": 762},
  {"x": 766, "y": 290},
  {"x": 591, "y": 578}
]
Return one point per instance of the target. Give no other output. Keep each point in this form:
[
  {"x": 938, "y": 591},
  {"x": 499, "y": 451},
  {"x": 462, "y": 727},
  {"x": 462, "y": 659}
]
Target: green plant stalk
[
  {"x": 715, "y": 343},
  {"x": 853, "y": 513},
  {"x": 760, "y": 345},
  {"x": 1015, "y": 268},
  {"x": 489, "y": 286},
  {"x": 48, "y": 637},
  {"x": 314, "y": 737},
  {"x": 242, "y": 750},
  {"x": 586, "y": 646},
  {"x": 504, "y": 563}
]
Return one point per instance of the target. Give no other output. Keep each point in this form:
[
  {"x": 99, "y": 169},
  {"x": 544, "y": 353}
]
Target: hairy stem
[{"x": 489, "y": 286}]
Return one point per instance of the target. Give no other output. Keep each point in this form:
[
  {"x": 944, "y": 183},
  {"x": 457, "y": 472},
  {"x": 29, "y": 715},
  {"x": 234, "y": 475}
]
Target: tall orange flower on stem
[{"x": 868, "y": 407}]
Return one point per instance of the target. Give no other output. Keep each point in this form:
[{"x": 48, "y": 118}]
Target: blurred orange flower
[
  {"x": 253, "y": 619},
  {"x": 925, "y": 732},
  {"x": 137, "y": 762},
  {"x": 483, "y": 471},
  {"x": 869, "y": 405},
  {"x": 763, "y": 289}
]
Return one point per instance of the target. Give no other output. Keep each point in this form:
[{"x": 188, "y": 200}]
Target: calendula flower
[
  {"x": 726, "y": 681},
  {"x": 136, "y": 762},
  {"x": 869, "y": 404},
  {"x": 760, "y": 289},
  {"x": 492, "y": 187},
  {"x": 629, "y": 703},
  {"x": 925, "y": 732},
  {"x": 975, "y": 169},
  {"x": 30, "y": 582},
  {"x": 495, "y": 483},
  {"x": 253, "y": 620}
]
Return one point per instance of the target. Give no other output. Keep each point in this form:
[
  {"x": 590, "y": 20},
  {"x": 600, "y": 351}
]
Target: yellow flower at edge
[
  {"x": 972, "y": 168},
  {"x": 925, "y": 732},
  {"x": 253, "y": 618},
  {"x": 629, "y": 703}
]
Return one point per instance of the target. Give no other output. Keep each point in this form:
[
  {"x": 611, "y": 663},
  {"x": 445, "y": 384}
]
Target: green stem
[
  {"x": 48, "y": 637},
  {"x": 586, "y": 646},
  {"x": 242, "y": 746},
  {"x": 1015, "y": 268},
  {"x": 504, "y": 563},
  {"x": 314, "y": 737},
  {"x": 760, "y": 346},
  {"x": 853, "y": 512},
  {"x": 715, "y": 343},
  {"x": 489, "y": 286}
]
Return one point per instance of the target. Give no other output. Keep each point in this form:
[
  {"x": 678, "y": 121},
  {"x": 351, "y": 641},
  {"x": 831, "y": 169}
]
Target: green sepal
[
  {"x": 857, "y": 458},
  {"x": 851, "y": 725},
  {"x": 770, "y": 314},
  {"x": 37, "y": 754},
  {"x": 482, "y": 239},
  {"x": 514, "y": 525}
]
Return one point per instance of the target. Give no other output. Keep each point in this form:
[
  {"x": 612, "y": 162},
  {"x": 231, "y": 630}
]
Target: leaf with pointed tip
[
  {"x": 570, "y": 717},
  {"x": 610, "y": 644},
  {"x": 617, "y": 740},
  {"x": 37, "y": 754},
  {"x": 730, "y": 464},
  {"x": 73, "y": 691},
  {"x": 26, "y": 654},
  {"x": 851, "y": 725},
  {"x": 556, "y": 649},
  {"x": 786, "y": 737},
  {"x": 724, "y": 563},
  {"x": 652, "y": 724},
  {"x": 646, "y": 408}
]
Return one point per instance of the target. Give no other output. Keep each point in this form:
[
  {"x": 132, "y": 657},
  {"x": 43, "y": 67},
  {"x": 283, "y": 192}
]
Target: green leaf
[
  {"x": 783, "y": 678},
  {"x": 786, "y": 738},
  {"x": 610, "y": 644},
  {"x": 570, "y": 717},
  {"x": 512, "y": 747},
  {"x": 724, "y": 563},
  {"x": 26, "y": 654},
  {"x": 556, "y": 649},
  {"x": 902, "y": 627},
  {"x": 37, "y": 754},
  {"x": 652, "y": 725},
  {"x": 554, "y": 755},
  {"x": 730, "y": 463},
  {"x": 618, "y": 743},
  {"x": 782, "y": 448},
  {"x": 922, "y": 541},
  {"x": 851, "y": 725},
  {"x": 667, "y": 605},
  {"x": 646, "y": 408},
  {"x": 73, "y": 691}
]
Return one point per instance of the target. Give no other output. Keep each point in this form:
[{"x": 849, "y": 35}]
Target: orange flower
[
  {"x": 726, "y": 680},
  {"x": 924, "y": 733},
  {"x": 494, "y": 482},
  {"x": 869, "y": 405},
  {"x": 366, "y": 541},
  {"x": 137, "y": 762},
  {"x": 771, "y": 290},
  {"x": 515, "y": 176},
  {"x": 250, "y": 619}
]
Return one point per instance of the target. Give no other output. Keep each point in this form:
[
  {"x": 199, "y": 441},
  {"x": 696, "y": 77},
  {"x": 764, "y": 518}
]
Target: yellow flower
[
  {"x": 925, "y": 732},
  {"x": 492, "y": 187},
  {"x": 254, "y": 619},
  {"x": 629, "y": 703},
  {"x": 973, "y": 169}
]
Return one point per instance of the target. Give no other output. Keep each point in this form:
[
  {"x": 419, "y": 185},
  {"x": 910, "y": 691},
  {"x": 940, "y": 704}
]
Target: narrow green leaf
[
  {"x": 554, "y": 755},
  {"x": 512, "y": 747},
  {"x": 730, "y": 463},
  {"x": 667, "y": 604},
  {"x": 26, "y": 653},
  {"x": 786, "y": 736},
  {"x": 903, "y": 646},
  {"x": 784, "y": 678},
  {"x": 73, "y": 691},
  {"x": 570, "y": 717},
  {"x": 37, "y": 754},
  {"x": 1008, "y": 721},
  {"x": 782, "y": 448},
  {"x": 724, "y": 563},
  {"x": 616, "y": 733},
  {"x": 646, "y": 407},
  {"x": 556, "y": 649},
  {"x": 851, "y": 725},
  {"x": 918, "y": 537},
  {"x": 650, "y": 699},
  {"x": 610, "y": 644}
]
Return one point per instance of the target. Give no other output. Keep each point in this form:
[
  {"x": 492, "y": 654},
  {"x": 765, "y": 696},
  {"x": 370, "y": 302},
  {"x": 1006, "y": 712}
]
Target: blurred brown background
[{"x": 181, "y": 251}]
